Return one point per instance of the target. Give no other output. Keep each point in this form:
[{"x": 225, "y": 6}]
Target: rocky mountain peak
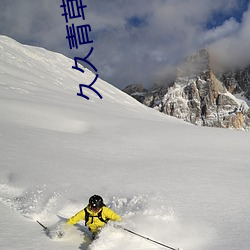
[
  {"x": 202, "y": 97},
  {"x": 196, "y": 64}
]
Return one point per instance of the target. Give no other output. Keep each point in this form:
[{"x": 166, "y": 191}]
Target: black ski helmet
[{"x": 96, "y": 202}]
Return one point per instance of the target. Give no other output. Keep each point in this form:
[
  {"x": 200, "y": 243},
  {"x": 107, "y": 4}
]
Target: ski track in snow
[{"x": 43, "y": 117}]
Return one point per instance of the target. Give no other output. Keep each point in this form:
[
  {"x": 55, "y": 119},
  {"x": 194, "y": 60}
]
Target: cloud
[
  {"x": 171, "y": 31},
  {"x": 31, "y": 21},
  {"x": 228, "y": 28},
  {"x": 135, "y": 41},
  {"x": 233, "y": 49}
]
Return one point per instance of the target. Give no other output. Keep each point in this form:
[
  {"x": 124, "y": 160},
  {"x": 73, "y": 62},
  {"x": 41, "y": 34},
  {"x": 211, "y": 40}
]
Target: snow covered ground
[{"x": 179, "y": 184}]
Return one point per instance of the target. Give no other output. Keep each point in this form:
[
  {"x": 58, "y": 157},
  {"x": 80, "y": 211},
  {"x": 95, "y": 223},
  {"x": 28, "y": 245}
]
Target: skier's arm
[
  {"x": 110, "y": 214},
  {"x": 77, "y": 217}
]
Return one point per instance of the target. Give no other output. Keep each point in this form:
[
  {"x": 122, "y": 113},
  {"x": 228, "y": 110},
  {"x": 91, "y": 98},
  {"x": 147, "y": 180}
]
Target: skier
[{"x": 95, "y": 214}]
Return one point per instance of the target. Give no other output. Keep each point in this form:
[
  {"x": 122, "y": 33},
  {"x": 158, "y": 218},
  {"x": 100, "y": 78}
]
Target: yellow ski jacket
[{"x": 94, "y": 223}]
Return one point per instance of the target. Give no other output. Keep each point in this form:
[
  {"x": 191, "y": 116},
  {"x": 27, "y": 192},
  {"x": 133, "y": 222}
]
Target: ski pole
[
  {"x": 45, "y": 228},
  {"x": 146, "y": 238}
]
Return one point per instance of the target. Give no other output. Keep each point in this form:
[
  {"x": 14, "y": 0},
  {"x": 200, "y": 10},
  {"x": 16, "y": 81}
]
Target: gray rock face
[
  {"x": 201, "y": 97},
  {"x": 237, "y": 81}
]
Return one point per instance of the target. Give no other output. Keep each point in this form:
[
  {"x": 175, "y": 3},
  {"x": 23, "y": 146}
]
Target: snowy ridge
[
  {"x": 37, "y": 69},
  {"x": 179, "y": 184}
]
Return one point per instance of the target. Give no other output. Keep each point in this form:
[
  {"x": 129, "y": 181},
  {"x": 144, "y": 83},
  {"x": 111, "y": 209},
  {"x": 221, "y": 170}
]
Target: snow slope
[{"x": 176, "y": 183}]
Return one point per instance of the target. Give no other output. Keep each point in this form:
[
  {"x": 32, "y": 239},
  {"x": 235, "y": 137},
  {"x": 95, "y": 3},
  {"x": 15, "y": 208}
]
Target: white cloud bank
[{"x": 135, "y": 41}]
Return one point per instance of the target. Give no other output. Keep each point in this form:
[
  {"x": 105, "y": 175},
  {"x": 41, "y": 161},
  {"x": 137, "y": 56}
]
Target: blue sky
[
  {"x": 136, "y": 41},
  {"x": 218, "y": 17}
]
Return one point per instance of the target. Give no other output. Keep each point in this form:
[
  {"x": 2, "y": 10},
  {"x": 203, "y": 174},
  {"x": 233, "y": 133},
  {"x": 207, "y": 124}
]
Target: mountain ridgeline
[{"x": 201, "y": 94}]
